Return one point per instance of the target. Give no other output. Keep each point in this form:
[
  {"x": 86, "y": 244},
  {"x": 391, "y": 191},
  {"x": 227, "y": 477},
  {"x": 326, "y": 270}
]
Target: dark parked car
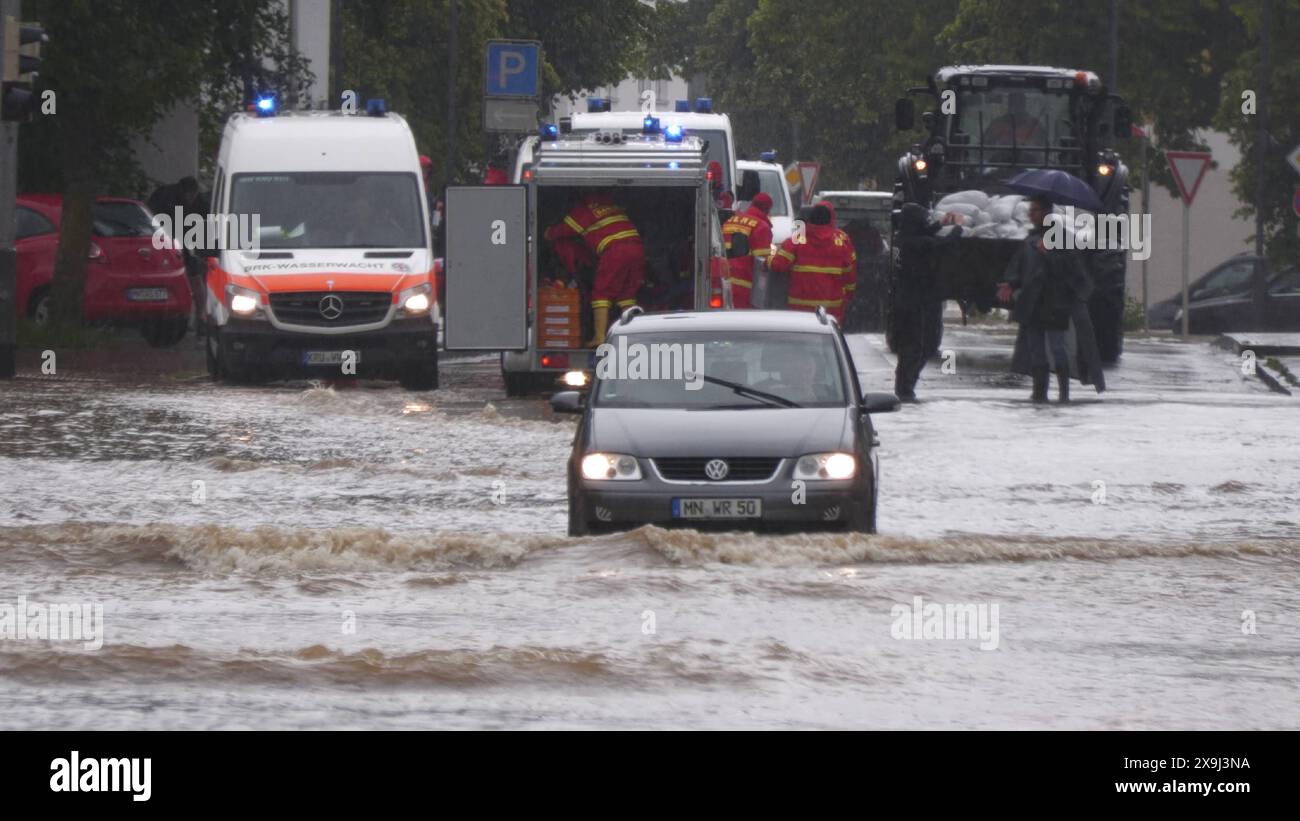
[
  {"x": 772, "y": 432},
  {"x": 1241, "y": 294}
]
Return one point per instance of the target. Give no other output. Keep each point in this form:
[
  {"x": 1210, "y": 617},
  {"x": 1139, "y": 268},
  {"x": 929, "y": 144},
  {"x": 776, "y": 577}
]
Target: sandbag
[{"x": 973, "y": 197}]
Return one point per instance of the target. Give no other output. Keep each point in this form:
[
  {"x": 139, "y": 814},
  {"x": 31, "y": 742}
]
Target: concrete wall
[
  {"x": 309, "y": 28},
  {"x": 171, "y": 150}
]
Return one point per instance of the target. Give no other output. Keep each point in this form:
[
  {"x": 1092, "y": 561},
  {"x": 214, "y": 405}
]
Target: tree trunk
[
  {"x": 77, "y": 151},
  {"x": 69, "y": 284}
]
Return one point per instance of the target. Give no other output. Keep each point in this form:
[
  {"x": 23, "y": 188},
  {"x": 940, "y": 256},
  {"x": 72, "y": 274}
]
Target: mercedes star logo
[
  {"x": 716, "y": 469},
  {"x": 331, "y": 306}
]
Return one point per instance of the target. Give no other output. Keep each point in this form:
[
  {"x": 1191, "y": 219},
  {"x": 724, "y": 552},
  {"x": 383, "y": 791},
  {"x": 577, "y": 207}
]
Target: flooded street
[{"x": 298, "y": 556}]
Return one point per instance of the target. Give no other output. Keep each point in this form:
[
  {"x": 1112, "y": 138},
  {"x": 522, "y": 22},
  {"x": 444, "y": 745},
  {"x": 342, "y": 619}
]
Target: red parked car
[{"x": 128, "y": 281}]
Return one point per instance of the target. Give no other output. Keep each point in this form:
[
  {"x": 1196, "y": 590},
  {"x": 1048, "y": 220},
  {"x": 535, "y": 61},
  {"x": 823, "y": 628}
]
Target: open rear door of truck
[{"x": 487, "y": 268}]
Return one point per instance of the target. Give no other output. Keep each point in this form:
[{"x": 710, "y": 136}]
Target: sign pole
[
  {"x": 1188, "y": 169},
  {"x": 8, "y": 254},
  {"x": 1187, "y": 210},
  {"x": 1146, "y": 209}
]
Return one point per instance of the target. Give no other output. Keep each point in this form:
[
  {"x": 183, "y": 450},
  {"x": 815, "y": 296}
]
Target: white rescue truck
[
  {"x": 507, "y": 289},
  {"x": 340, "y": 282}
]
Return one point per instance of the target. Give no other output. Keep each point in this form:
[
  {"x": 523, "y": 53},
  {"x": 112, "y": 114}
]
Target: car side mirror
[
  {"x": 879, "y": 402},
  {"x": 904, "y": 114},
  {"x": 567, "y": 402}
]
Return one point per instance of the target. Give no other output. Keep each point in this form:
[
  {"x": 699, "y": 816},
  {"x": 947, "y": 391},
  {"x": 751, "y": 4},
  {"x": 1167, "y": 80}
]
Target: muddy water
[{"x": 305, "y": 556}]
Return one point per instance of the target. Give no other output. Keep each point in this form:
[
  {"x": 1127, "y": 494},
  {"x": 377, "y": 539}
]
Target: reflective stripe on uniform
[
  {"x": 743, "y": 283},
  {"x": 626, "y": 303},
  {"x": 573, "y": 223},
  {"x": 825, "y": 303},
  {"x": 630, "y": 234},
  {"x": 600, "y": 303},
  {"x": 781, "y": 252},
  {"x": 598, "y": 224},
  {"x": 818, "y": 269}
]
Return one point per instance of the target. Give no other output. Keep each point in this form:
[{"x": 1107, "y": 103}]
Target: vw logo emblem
[
  {"x": 331, "y": 306},
  {"x": 716, "y": 469}
]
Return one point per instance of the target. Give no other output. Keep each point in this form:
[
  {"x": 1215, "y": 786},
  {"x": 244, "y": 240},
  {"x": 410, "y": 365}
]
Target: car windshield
[
  {"x": 769, "y": 182},
  {"x": 332, "y": 209},
  {"x": 121, "y": 219},
  {"x": 721, "y": 370}
]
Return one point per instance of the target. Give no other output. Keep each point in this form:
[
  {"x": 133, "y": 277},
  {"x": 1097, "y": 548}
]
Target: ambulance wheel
[
  {"x": 421, "y": 377},
  {"x": 518, "y": 384},
  {"x": 226, "y": 371}
]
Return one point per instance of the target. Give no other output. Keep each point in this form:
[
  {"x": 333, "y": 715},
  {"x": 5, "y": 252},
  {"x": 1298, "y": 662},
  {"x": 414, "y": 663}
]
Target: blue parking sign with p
[{"x": 512, "y": 68}]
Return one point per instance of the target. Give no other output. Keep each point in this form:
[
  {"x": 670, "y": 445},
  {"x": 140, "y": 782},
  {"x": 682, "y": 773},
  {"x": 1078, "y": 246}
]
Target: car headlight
[
  {"x": 576, "y": 379},
  {"x": 417, "y": 300},
  {"x": 826, "y": 466},
  {"x": 243, "y": 301},
  {"x": 610, "y": 466}
]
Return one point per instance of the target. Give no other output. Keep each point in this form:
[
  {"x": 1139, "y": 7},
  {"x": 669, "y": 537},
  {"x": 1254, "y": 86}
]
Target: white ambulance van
[{"x": 340, "y": 281}]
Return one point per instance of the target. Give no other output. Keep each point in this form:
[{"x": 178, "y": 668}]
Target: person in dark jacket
[
  {"x": 178, "y": 201},
  {"x": 1045, "y": 285},
  {"x": 918, "y": 297}
]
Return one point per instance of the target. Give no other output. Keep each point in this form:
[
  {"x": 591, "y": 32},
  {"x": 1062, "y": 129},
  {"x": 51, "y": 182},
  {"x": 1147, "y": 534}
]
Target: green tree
[
  {"x": 1172, "y": 56},
  {"x": 116, "y": 66},
  {"x": 1282, "y": 100},
  {"x": 398, "y": 50}
]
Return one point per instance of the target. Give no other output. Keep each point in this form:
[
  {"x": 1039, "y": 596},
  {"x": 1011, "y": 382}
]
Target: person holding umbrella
[
  {"x": 1068, "y": 293},
  {"x": 1043, "y": 284}
]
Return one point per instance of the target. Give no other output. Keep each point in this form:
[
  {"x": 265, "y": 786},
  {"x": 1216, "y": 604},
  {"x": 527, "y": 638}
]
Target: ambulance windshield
[{"x": 332, "y": 209}]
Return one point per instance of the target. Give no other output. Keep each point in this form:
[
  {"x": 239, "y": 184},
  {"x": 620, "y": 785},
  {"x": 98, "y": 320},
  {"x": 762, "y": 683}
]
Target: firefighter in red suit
[
  {"x": 620, "y": 257},
  {"x": 822, "y": 264},
  {"x": 754, "y": 224}
]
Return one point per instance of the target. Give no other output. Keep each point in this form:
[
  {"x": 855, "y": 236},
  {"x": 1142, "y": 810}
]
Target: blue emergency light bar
[
  {"x": 673, "y": 133},
  {"x": 265, "y": 105},
  {"x": 596, "y": 105},
  {"x": 548, "y": 131},
  {"x": 682, "y": 106},
  {"x": 704, "y": 105},
  {"x": 768, "y": 156},
  {"x": 650, "y": 125},
  {"x": 375, "y": 108}
]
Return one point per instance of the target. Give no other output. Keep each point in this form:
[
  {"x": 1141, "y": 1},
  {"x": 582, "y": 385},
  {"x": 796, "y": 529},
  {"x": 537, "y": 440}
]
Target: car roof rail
[
  {"x": 821, "y": 314},
  {"x": 629, "y": 313}
]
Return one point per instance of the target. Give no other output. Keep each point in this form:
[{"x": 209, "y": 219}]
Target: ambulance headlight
[
  {"x": 417, "y": 300},
  {"x": 575, "y": 379},
  {"x": 243, "y": 301}
]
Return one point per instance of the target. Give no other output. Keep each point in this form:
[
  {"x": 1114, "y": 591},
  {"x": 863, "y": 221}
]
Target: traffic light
[{"x": 22, "y": 64}]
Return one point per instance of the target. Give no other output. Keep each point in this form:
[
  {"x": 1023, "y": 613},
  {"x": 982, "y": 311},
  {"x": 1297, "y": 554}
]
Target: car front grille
[
  {"x": 352, "y": 308},
  {"x": 739, "y": 469}
]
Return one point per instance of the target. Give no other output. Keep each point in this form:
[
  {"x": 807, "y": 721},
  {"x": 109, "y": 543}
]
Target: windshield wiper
[{"x": 745, "y": 390}]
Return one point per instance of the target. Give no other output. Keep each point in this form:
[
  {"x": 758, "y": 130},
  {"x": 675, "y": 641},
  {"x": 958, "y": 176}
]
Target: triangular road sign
[
  {"x": 1188, "y": 168},
  {"x": 808, "y": 172}
]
